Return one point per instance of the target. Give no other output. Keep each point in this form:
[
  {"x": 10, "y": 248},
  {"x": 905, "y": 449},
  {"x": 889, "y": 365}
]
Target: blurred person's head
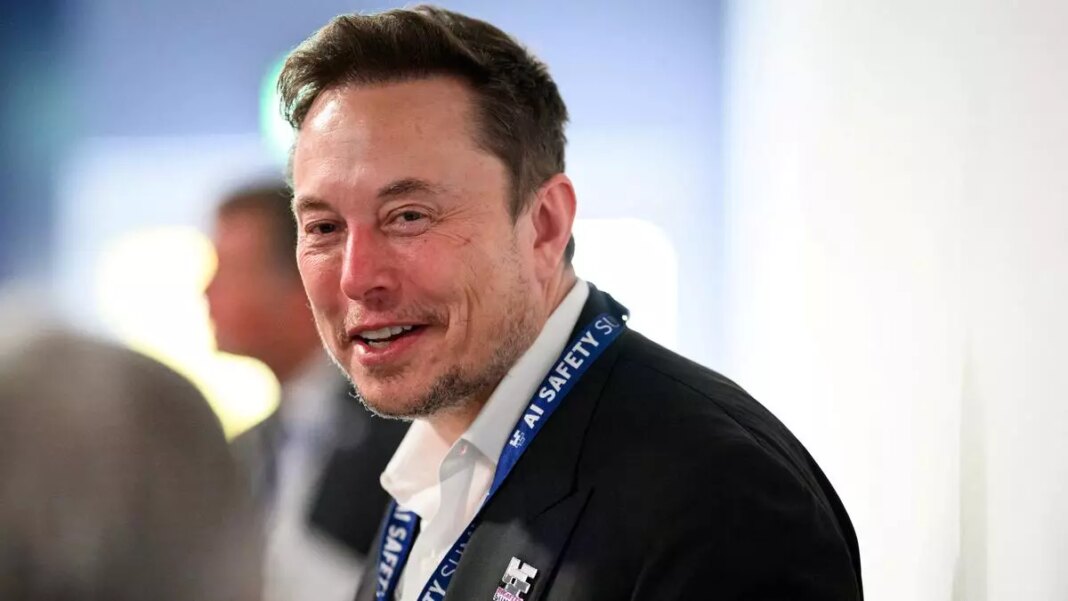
[
  {"x": 256, "y": 299},
  {"x": 115, "y": 480},
  {"x": 434, "y": 217}
]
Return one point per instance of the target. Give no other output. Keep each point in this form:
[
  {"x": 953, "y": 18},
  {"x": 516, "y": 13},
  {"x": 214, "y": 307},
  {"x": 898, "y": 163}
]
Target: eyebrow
[
  {"x": 406, "y": 186},
  {"x": 309, "y": 203},
  {"x": 398, "y": 188}
]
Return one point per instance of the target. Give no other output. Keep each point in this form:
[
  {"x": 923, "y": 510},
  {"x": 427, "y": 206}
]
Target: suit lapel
[{"x": 533, "y": 514}]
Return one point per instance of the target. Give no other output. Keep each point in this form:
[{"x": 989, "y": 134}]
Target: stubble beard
[{"x": 461, "y": 386}]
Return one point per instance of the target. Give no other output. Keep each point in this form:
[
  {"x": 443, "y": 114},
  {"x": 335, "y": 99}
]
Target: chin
[
  {"x": 382, "y": 395},
  {"x": 383, "y": 408}
]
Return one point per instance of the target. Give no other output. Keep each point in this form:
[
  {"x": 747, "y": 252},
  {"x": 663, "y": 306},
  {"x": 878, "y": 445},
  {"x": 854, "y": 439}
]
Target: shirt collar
[{"x": 412, "y": 475}]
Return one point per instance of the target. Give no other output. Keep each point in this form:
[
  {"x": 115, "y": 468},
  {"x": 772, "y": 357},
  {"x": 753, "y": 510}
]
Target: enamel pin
[{"x": 516, "y": 581}]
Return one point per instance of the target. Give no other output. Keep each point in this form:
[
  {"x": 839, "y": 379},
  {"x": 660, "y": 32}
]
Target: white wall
[
  {"x": 1016, "y": 261},
  {"x": 897, "y": 254}
]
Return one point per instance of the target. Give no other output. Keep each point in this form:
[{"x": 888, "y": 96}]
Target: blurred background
[{"x": 856, "y": 209}]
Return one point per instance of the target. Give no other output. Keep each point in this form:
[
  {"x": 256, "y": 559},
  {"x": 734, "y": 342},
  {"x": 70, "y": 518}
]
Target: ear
[{"x": 552, "y": 215}]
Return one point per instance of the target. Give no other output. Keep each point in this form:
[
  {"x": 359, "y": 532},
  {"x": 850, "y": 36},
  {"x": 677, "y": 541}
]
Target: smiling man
[{"x": 554, "y": 454}]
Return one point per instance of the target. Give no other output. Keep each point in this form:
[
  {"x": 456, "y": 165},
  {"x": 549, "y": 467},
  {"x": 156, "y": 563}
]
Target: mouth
[{"x": 384, "y": 342}]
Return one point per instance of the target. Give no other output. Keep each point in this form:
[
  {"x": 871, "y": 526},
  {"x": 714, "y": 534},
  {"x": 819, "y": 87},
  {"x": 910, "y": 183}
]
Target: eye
[
  {"x": 408, "y": 222},
  {"x": 322, "y": 228}
]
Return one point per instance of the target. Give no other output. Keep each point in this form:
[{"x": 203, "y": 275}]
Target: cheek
[
  {"x": 430, "y": 266},
  {"x": 322, "y": 279},
  {"x": 241, "y": 312},
  {"x": 458, "y": 276},
  {"x": 234, "y": 297}
]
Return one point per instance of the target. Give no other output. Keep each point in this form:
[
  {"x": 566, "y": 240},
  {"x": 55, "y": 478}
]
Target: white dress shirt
[
  {"x": 445, "y": 484},
  {"x": 300, "y": 563}
]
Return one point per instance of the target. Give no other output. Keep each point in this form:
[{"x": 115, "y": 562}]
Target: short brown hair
[
  {"x": 270, "y": 200},
  {"x": 521, "y": 116}
]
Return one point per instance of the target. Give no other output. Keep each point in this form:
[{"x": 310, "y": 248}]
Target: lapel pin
[{"x": 516, "y": 581}]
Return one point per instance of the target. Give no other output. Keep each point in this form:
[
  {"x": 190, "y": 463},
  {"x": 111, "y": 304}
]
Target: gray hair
[{"x": 115, "y": 480}]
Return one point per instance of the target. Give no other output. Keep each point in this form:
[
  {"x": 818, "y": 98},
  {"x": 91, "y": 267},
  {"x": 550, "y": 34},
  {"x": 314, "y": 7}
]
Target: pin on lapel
[{"x": 516, "y": 581}]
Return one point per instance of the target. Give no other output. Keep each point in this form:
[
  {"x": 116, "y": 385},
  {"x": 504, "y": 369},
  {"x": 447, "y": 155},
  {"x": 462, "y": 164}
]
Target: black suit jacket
[
  {"x": 349, "y": 500},
  {"x": 658, "y": 479}
]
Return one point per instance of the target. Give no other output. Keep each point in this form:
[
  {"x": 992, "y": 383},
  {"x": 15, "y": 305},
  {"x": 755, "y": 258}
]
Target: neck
[
  {"x": 450, "y": 424},
  {"x": 557, "y": 290},
  {"x": 288, "y": 363}
]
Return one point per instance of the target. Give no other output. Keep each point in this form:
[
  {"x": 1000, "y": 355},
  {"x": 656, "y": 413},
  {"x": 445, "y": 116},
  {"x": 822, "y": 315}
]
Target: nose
[
  {"x": 211, "y": 291},
  {"x": 368, "y": 273}
]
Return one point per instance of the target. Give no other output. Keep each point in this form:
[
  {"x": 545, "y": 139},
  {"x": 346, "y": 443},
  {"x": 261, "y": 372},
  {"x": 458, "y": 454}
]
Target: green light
[{"x": 276, "y": 132}]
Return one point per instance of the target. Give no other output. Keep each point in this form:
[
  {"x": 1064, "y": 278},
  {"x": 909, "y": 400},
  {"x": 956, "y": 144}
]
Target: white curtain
[{"x": 897, "y": 289}]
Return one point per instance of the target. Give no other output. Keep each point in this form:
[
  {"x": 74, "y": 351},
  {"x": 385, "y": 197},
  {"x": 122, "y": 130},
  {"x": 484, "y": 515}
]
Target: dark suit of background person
[
  {"x": 365, "y": 444},
  {"x": 313, "y": 464},
  {"x": 660, "y": 479}
]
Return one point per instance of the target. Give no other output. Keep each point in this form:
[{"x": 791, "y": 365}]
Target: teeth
[
  {"x": 376, "y": 334},
  {"x": 383, "y": 333}
]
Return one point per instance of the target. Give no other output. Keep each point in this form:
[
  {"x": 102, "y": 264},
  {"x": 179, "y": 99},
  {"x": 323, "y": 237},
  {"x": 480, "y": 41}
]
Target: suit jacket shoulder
[{"x": 707, "y": 492}]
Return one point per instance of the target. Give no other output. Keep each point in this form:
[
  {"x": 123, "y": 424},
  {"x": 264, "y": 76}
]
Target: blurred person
[
  {"x": 313, "y": 464},
  {"x": 554, "y": 454},
  {"x": 116, "y": 483}
]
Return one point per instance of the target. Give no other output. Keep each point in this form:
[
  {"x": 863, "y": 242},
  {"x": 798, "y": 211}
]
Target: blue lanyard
[{"x": 398, "y": 535}]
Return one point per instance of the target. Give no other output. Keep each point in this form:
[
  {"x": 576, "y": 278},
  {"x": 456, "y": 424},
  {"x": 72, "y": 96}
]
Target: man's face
[
  {"x": 246, "y": 295},
  {"x": 422, "y": 286}
]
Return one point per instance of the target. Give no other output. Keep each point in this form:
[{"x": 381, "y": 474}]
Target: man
[
  {"x": 314, "y": 463},
  {"x": 554, "y": 454}
]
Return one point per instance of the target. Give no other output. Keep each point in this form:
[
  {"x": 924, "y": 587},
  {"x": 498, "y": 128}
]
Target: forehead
[
  {"x": 407, "y": 125},
  {"x": 242, "y": 229}
]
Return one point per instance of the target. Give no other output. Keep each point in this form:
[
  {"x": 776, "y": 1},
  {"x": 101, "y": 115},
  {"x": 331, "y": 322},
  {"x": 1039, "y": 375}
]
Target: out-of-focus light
[
  {"x": 276, "y": 132},
  {"x": 149, "y": 292}
]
